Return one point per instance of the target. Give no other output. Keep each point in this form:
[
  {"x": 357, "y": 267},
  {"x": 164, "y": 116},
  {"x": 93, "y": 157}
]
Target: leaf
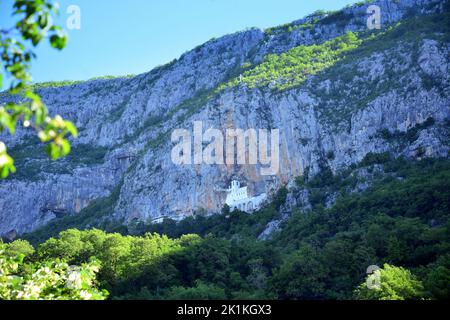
[
  {"x": 6, "y": 162},
  {"x": 71, "y": 128},
  {"x": 65, "y": 147},
  {"x": 58, "y": 41},
  {"x": 53, "y": 151}
]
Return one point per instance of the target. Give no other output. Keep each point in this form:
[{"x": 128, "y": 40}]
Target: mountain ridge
[{"x": 127, "y": 120}]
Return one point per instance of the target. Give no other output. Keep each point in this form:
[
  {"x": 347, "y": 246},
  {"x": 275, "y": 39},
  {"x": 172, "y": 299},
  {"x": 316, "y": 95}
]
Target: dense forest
[{"x": 400, "y": 223}]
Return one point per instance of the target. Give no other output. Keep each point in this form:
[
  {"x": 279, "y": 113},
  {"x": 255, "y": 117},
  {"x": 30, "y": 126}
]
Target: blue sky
[{"x": 133, "y": 36}]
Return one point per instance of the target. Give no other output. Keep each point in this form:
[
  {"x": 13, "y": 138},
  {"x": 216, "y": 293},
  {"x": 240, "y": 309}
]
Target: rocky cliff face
[{"x": 391, "y": 94}]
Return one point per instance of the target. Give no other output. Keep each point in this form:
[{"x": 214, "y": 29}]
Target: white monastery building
[{"x": 237, "y": 198}]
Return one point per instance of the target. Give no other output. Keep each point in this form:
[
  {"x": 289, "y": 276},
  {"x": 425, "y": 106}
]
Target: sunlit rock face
[{"x": 123, "y": 154}]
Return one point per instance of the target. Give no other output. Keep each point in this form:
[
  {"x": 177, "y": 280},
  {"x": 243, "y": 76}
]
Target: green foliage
[
  {"x": 290, "y": 69},
  {"x": 288, "y": 27},
  {"x": 341, "y": 18},
  {"x": 34, "y": 19},
  {"x": 395, "y": 283},
  {"x": 310, "y": 272},
  {"x": 54, "y": 84},
  {"x": 389, "y": 222},
  {"x": 280, "y": 197},
  {"x": 156, "y": 267},
  {"x": 375, "y": 158},
  {"x": 18, "y": 248},
  {"x": 122, "y": 257},
  {"x": 6, "y": 162},
  {"x": 227, "y": 225},
  {"x": 86, "y": 154},
  {"x": 437, "y": 278},
  {"x": 47, "y": 280},
  {"x": 201, "y": 291},
  {"x": 364, "y": 2}
]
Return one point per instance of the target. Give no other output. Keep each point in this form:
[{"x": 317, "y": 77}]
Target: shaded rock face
[
  {"x": 9, "y": 236},
  {"x": 334, "y": 119}
]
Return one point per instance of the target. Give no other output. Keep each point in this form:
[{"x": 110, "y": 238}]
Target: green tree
[
  {"x": 437, "y": 281},
  {"x": 302, "y": 275},
  {"x": 18, "y": 247},
  {"x": 390, "y": 283},
  {"x": 33, "y": 25}
]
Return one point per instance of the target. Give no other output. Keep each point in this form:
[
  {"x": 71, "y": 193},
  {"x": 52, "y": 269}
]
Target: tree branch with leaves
[{"x": 33, "y": 26}]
